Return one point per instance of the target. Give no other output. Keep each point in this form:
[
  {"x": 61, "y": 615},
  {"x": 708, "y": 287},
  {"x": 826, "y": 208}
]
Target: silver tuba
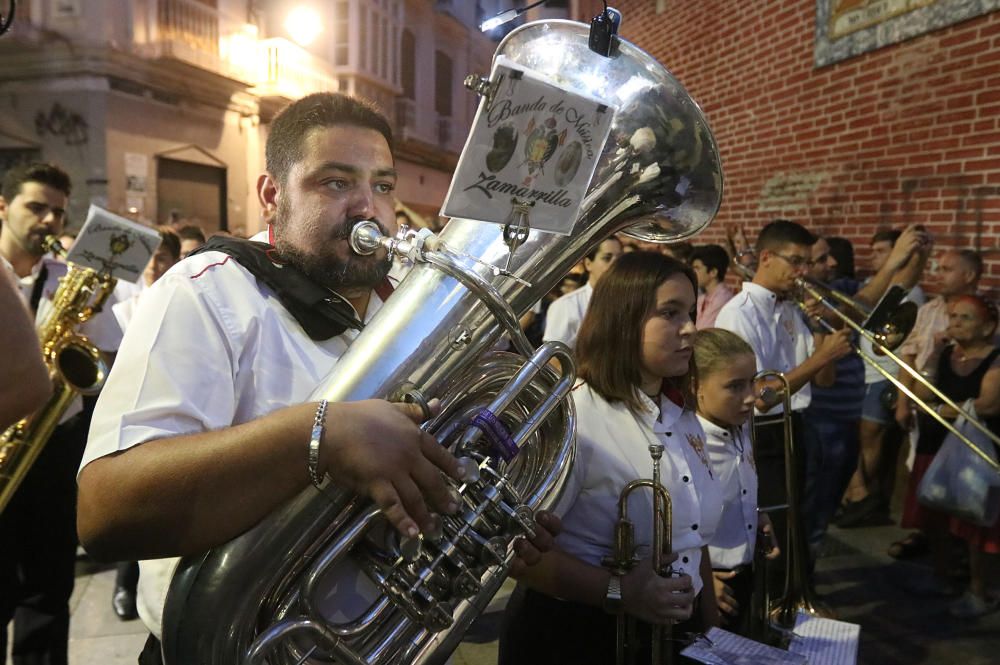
[{"x": 265, "y": 596}]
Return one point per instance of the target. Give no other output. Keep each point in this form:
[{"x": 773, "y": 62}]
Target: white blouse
[
  {"x": 731, "y": 453},
  {"x": 612, "y": 450}
]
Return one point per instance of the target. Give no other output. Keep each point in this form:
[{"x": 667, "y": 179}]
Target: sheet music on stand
[
  {"x": 825, "y": 641},
  {"x": 725, "y": 648}
]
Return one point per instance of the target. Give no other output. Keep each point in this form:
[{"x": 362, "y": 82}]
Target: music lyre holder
[{"x": 515, "y": 231}]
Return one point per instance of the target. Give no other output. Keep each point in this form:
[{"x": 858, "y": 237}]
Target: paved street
[{"x": 855, "y": 576}]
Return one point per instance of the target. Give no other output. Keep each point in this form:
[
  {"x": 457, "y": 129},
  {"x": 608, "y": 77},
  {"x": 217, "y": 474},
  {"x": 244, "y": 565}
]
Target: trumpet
[
  {"x": 798, "y": 595},
  {"x": 623, "y": 560}
]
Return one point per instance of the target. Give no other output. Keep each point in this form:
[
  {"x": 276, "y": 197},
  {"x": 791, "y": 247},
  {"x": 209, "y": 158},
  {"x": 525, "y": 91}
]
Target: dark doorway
[{"x": 193, "y": 192}]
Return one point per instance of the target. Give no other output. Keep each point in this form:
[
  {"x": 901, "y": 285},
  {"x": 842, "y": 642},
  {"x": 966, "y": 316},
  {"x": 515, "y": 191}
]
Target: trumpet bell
[{"x": 895, "y": 329}]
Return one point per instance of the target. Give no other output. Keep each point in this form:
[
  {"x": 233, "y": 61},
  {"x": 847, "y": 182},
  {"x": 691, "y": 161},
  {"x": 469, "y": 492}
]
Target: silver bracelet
[{"x": 314, "y": 441}]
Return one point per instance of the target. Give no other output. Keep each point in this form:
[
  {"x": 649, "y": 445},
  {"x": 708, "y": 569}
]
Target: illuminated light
[
  {"x": 303, "y": 25},
  {"x": 498, "y": 20}
]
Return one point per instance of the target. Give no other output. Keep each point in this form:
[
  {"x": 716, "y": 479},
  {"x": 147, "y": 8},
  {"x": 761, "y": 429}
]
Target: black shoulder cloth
[{"x": 321, "y": 312}]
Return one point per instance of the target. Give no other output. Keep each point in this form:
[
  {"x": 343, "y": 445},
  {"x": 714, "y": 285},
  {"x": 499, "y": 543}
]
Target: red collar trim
[
  {"x": 384, "y": 289},
  {"x": 672, "y": 393},
  {"x": 270, "y": 234}
]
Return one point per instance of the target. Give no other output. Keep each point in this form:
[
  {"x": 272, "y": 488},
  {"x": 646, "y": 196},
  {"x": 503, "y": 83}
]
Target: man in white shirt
[
  {"x": 766, "y": 317},
  {"x": 206, "y": 430},
  {"x": 37, "y": 528},
  {"x": 563, "y": 318}
]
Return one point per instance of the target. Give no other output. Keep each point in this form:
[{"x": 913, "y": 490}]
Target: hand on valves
[{"x": 656, "y": 599}]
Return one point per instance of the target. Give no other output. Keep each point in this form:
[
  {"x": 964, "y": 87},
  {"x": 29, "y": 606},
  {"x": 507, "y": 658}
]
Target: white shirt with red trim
[
  {"x": 207, "y": 348},
  {"x": 612, "y": 449},
  {"x": 731, "y": 452}
]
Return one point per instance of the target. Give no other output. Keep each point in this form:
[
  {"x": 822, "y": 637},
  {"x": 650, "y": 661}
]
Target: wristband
[{"x": 314, "y": 440}]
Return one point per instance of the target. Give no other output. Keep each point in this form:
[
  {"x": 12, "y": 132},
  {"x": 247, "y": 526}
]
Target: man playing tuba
[{"x": 207, "y": 430}]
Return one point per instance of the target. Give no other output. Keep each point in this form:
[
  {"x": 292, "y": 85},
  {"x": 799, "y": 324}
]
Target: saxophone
[
  {"x": 266, "y": 595},
  {"x": 75, "y": 367}
]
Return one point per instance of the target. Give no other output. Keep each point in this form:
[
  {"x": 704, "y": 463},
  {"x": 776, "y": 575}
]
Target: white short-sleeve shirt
[
  {"x": 774, "y": 329},
  {"x": 207, "y": 348},
  {"x": 565, "y": 314},
  {"x": 731, "y": 453},
  {"x": 612, "y": 450}
]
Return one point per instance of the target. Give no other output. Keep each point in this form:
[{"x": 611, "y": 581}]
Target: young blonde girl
[{"x": 722, "y": 382}]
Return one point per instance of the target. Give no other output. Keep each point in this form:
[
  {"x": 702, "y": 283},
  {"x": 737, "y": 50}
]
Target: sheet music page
[
  {"x": 725, "y": 648},
  {"x": 825, "y": 641},
  {"x": 534, "y": 140},
  {"x": 112, "y": 244}
]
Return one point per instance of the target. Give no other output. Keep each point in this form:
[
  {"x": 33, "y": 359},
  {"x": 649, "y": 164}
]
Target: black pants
[
  {"x": 127, "y": 576},
  {"x": 38, "y": 551},
  {"x": 769, "y": 456},
  {"x": 541, "y": 630},
  {"x": 151, "y": 652}
]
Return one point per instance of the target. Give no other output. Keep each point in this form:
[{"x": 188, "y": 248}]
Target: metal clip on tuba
[
  {"x": 623, "y": 560},
  {"x": 323, "y": 579},
  {"x": 75, "y": 367}
]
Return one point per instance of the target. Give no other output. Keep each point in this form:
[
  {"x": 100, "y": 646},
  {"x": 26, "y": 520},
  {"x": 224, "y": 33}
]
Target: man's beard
[{"x": 331, "y": 271}]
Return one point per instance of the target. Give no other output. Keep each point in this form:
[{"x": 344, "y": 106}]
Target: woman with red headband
[{"x": 966, "y": 368}]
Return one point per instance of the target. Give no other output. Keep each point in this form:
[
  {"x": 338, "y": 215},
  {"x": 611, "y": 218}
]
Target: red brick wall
[{"x": 905, "y": 134}]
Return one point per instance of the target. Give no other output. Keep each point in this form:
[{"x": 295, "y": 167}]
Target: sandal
[{"x": 914, "y": 545}]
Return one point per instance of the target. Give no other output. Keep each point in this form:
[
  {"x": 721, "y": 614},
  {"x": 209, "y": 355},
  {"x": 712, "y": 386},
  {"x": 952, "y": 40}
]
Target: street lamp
[{"x": 303, "y": 25}]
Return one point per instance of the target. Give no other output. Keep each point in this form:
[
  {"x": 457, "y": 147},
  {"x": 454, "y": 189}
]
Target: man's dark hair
[
  {"x": 783, "y": 232},
  {"x": 886, "y": 235},
  {"x": 170, "y": 241},
  {"x": 191, "y": 232},
  {"x": 714, "y": 258},
  {"x": 319, "y": 110},
  {"x": 973, "y": 261},
  {"x": 842, "y": 250},
  {"x": 40, "y": 172}
]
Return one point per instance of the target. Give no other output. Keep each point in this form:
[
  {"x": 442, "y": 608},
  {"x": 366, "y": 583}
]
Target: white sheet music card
[
  {"x": 109, "y": 243},
  {"x": 825, "y": 641},
  {"x": 725, "y": 648},
  {"x": 531, "y": 140}
]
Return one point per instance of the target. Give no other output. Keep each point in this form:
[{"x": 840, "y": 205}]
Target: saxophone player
[
  {"x": 207, "y": 430},
  {"x": 37, "y": 528}
]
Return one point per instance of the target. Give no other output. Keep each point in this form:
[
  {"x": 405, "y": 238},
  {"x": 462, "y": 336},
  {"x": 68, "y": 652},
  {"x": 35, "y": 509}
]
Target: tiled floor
[{"x": 855, "y": 577}]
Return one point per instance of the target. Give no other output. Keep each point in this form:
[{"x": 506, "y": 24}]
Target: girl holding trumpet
[{"x": 634, "y": 353}]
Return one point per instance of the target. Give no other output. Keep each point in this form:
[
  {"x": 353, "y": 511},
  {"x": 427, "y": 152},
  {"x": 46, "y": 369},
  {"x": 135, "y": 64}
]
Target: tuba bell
[{"x": 263, "y": 596}]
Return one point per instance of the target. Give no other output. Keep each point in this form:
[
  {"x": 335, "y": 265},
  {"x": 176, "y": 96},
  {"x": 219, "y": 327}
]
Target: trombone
[
  {"x": 917, "y": 376},
  {"x": 623, "y": 560},
  {"x": 798, "y": 595},
  {"x": 884, "y": 340}
]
